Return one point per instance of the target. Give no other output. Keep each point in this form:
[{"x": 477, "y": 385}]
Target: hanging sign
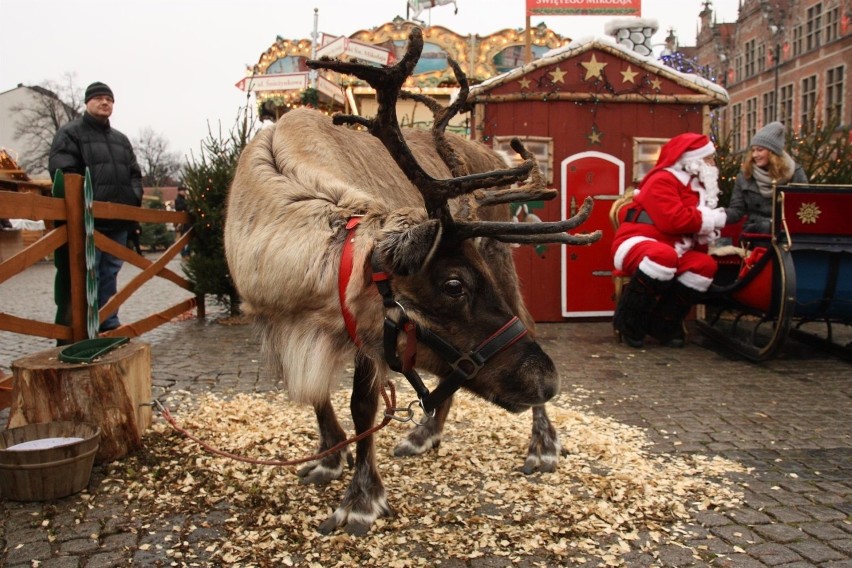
[
  {"x": 354, "y": 49},
  {"x": 330, "y": 90},
  {"x": 584, "y": 7},
  {"x": 280, "y": 82}
]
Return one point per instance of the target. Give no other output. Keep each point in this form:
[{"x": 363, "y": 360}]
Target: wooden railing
[{"x": 69, "y": 210}]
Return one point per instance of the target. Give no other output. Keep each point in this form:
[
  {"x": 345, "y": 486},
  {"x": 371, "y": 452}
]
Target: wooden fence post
[{"x": 76, "y": 254}]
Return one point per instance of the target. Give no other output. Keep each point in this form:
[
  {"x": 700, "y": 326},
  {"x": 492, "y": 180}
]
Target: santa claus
[{"x": 663, "y": 239}]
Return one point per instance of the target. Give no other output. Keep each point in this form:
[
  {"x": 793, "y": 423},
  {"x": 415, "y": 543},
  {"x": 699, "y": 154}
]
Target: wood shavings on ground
[{"x": 466, "y": 500}]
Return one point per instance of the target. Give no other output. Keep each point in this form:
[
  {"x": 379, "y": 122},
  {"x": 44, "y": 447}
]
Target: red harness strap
[{"x": 346, "y": 261}]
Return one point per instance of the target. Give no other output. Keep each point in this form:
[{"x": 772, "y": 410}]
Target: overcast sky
[{"x": 172, "y": 64}]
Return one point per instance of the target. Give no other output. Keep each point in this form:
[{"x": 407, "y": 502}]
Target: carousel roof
[{"x": 281, "y": 72}]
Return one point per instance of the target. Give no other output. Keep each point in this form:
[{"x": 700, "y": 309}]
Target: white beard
[{"x": 709, "y": 177}]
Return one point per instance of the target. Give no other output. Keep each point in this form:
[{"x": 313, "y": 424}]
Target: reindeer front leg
[
  {"x": 365, "y": 499},
  {"x": 330, "y": 467},
  {"x": 425, "y": 436},
  {"x": 545, "y": 449}
]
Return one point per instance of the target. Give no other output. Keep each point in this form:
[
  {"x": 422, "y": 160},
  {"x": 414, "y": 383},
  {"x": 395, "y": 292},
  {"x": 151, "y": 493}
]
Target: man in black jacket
[{"x": 90, "y": 142}]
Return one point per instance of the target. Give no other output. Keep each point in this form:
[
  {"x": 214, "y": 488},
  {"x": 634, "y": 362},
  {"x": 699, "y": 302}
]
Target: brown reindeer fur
[{"x": 297, "y": 185}]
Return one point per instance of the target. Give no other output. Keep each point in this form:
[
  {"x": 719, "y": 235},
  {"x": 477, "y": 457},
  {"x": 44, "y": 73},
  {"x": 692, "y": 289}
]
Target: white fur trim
[
  {"x": 707, "y": 150},
  {"x": 695, "y": 281},
  {"x": 624, "y": 248},
  {"x": 656, "y": 270},
  {"x": 681, "y": 175}
]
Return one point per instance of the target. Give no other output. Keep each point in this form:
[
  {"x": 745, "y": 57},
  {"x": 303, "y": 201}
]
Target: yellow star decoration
[
  {"x": 808, "y": 213},
  {"x": 557, "y": 75},
  {"x": 525, "y": 83},
  {"x": 593, "y": 68},
  {"x": 629, "y": 75},
  {"x": 657, "y": 84},
  {"x": 595, "y": 136}
]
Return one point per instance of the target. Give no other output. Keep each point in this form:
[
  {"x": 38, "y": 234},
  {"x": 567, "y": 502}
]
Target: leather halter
[
  {"x": 464, "y": 365},
  {"x": 343, "y": 276}
]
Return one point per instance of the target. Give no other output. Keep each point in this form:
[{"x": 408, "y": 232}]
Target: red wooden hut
[{"x": 595, "y": 113}]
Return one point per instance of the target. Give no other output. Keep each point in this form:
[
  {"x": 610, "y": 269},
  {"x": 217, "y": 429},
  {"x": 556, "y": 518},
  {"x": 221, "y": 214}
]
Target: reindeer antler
[{"x": 388, "y": 82}]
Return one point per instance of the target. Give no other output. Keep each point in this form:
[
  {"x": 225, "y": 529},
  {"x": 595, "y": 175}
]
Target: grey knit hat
[{"x": 770, "y": 137}]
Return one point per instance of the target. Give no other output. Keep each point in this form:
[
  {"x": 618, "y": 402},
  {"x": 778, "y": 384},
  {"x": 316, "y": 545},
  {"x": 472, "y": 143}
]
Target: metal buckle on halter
[{"x": 408, "y": 412}]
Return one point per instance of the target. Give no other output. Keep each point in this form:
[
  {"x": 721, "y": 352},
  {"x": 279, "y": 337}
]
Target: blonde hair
[{"x": 779, "y": 167}]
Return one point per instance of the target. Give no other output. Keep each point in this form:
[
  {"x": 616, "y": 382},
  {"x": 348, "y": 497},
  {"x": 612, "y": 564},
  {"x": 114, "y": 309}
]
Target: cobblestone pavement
[{"x": 787, "y": 419}]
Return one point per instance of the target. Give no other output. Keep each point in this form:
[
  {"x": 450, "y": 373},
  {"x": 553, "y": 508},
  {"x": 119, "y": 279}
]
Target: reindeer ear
[{"x": 409, "y": 250}]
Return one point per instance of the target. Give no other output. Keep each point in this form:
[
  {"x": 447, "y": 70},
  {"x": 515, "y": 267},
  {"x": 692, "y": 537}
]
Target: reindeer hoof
[
  {"x": 357, "y": 523},
  {"x": 320, "y": 473},
  {"x": 416, "y": 445},
  {"x": 544, "y": 463}
]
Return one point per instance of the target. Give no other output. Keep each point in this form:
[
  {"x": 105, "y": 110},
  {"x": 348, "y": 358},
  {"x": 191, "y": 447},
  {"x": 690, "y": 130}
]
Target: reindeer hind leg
[{"x": 330, "y": 467}]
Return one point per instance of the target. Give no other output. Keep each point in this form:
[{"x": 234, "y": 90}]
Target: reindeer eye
[{"x": 453, "y": 288}]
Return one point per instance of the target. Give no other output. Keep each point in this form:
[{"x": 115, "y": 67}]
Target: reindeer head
[{"x": 458, "y": 292}]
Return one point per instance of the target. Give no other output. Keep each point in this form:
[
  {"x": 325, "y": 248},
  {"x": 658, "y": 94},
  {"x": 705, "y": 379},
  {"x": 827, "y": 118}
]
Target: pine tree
[
  {"x": 156, "y": 235},
  {"x": 208, "y": 178},
  {"x": 824, "y": 152}
]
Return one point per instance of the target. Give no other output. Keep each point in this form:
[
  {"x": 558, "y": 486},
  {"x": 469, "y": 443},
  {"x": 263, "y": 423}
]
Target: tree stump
[{"x": 109, "y": 392}]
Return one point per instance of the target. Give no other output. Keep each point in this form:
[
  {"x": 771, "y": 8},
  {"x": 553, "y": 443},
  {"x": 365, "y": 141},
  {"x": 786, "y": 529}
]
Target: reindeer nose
[
  {"x": 539, "y": 367},
  {"x": 549, "y": 390}
]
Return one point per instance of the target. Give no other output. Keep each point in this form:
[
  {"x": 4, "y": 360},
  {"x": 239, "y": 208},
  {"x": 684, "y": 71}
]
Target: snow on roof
[
  {"x": 616, "y": 24},
  {"x": 581, "y": 45}
]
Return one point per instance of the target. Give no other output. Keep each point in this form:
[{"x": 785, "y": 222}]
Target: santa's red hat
[{"x": 682, "y": 148}]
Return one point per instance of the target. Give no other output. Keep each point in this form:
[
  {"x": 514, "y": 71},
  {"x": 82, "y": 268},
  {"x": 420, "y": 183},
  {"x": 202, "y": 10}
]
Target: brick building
[{"x": 786, "y": 60}]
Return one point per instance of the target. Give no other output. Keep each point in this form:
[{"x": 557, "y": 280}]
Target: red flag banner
[{"x": 584, "y": 7}]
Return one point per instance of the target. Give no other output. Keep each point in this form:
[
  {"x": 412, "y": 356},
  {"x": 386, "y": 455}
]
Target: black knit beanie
[{"x": 96, "y": 89}]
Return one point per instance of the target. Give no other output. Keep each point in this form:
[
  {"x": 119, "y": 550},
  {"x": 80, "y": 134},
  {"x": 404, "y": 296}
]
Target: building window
[
  {"x": 785, "y": 104},
  {"x": 646, "y": 151},
  {"x": 750, "y": 68},
  {"x": 761, "y": 58},
  {"x": 834, "y": 90},
  {"x": 541, "y": 148},
  {"x": 808, "y": 109},
  {"x": 768, "y": 107},
  {"x": 814, "y": 27},
  {"x": 832, "y": 24},
  {"x": 751, "y": 117},
  {"x": 737, "y": 127},
  {"x": 738, "y": 68},
  {"x": 798, "y": 40}
]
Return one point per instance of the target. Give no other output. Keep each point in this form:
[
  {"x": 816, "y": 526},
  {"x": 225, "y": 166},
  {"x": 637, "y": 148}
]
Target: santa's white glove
[
  {"x": 709, "y": 239},
  {"x": 712, "y": 219}
]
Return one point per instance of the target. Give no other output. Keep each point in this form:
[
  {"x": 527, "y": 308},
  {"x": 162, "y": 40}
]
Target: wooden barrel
[{"x": 59, "y": 466}]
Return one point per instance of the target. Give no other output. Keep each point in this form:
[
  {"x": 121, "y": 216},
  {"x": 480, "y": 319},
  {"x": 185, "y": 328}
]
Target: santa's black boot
[
  {"x": 666, "y": 325},
  {"x": 633, "y": 312}
]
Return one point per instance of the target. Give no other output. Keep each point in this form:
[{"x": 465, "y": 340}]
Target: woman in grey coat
[{"x": 765, "y": 165}]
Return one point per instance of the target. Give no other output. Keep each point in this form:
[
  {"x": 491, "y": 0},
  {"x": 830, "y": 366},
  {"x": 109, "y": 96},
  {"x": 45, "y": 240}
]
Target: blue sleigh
[{"x": 795, "y": 282}]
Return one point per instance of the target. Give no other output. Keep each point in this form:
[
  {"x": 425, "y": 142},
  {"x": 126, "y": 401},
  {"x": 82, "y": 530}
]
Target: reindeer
[{"x": 343, "y": 245}]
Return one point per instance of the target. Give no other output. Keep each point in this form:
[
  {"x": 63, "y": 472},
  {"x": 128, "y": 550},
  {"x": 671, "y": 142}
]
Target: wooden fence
[{"x": 26, "y": 204}]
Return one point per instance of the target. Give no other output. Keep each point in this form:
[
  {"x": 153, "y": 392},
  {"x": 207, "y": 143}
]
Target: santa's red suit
[{"x": 663, "y": 239}]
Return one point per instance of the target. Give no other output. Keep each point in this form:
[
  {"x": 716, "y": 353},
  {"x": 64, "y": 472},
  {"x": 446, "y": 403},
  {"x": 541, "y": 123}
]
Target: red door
[{"x": 587, "y": 288}]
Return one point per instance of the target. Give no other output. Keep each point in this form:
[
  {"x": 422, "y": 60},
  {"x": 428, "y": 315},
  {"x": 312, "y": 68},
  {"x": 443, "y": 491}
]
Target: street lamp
[{"x": 774, "y": 13}]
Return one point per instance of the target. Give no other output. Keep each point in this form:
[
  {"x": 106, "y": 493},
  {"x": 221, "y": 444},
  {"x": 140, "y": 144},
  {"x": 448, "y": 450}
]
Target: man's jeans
[{"x": 108, "y": 266}]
